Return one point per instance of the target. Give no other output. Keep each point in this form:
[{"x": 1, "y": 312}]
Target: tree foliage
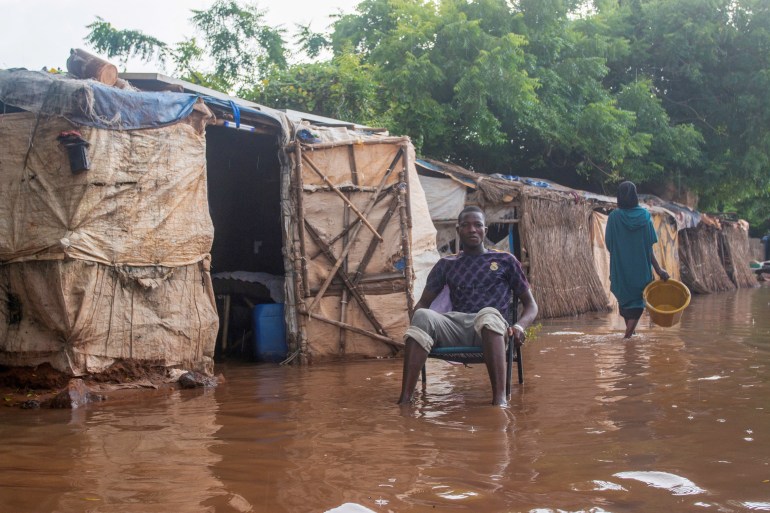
[{"x": 673, "y": 94}]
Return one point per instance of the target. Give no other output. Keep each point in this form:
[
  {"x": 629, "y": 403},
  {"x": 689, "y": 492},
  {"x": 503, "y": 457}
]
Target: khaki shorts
[{"x": 453, "y": 329}]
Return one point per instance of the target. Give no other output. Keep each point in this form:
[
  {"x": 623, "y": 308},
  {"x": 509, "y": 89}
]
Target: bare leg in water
[
  {"x": 630, "y": 327},
  {"x": 414, "y": 360},
  {"x": 494, "y": 357}
]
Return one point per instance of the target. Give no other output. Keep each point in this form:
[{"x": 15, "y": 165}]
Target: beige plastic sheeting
[
  {"x": 110, "y": 263},
  {"x": 667, "y": 249},
  {"x": 143, "y": 201},
  {"x": 82, "y": 316},
  {"x": 602, "y": 255},
  {"x": 446, "y": 198}
]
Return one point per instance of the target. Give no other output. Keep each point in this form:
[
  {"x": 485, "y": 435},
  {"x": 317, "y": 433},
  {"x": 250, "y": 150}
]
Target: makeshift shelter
[
  {"x": 545, "y": 225},
  {"x": 323, "y": 216},
  {"x": 196, "y": 207},
  {"x": 736, "y": 253},
  {"x": 701, "y": 258},
  {"x": 104, "y": 255}
]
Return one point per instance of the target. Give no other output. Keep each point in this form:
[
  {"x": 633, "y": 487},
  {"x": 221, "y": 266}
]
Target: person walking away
[
  {"x": 629, "y": 237},
  {"x": 480, "y": 283}
]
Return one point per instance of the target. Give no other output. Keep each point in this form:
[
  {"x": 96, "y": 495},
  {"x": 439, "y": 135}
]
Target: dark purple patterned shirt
[{"x": 478, "y": 281}]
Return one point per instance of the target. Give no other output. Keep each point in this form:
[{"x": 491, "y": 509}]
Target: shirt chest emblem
[{"x": 494, "y": 266}]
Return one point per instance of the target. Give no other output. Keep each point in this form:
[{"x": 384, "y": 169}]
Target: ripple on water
[
  {"x": 756, "y": 506},
  {"x": 675, "y": 484}
]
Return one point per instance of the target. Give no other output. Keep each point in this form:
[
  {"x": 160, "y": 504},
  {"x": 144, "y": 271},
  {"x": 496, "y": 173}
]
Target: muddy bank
[{"x": 45, "y": 387}]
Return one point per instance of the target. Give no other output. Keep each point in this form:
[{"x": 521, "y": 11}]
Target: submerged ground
[{"x": 675, "y": 419}]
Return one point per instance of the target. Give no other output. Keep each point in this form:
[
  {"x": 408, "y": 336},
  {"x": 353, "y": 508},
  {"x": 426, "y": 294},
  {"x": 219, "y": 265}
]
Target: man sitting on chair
[{"x": 480, "y": 282}]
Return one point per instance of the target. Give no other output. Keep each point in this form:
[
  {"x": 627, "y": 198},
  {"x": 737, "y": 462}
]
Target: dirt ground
[{"x": 34, "y": 387}]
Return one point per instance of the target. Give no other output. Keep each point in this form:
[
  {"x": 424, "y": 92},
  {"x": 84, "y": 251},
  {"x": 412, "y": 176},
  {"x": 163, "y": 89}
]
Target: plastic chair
[{"x": 475, "y": 354}]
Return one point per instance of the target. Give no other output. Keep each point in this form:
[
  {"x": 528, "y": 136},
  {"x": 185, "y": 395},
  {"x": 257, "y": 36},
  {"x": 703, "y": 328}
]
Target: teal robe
[{"x": 629, "y": 238}]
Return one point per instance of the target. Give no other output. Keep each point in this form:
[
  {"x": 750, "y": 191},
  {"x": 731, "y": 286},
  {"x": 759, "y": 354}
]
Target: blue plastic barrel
[{"x": 269, "y": 333}]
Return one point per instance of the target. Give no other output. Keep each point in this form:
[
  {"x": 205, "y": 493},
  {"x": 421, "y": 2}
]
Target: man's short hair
[{"x": 468, "y": 210}]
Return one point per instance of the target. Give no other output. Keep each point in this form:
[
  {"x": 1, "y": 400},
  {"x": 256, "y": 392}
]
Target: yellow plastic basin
[{"x": 665, "y": 301}]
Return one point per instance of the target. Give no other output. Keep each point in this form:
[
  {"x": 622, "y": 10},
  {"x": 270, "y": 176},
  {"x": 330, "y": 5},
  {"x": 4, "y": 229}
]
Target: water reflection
[{"x": 672, "y": 420}]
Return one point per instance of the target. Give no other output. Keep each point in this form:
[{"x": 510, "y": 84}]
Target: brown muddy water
[{"x": 677, "y": 419}]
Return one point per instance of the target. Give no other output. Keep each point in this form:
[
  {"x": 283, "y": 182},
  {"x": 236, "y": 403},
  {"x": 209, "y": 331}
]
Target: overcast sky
[{"x": 38, "y": 33}]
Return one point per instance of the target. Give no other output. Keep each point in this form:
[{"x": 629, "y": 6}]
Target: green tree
[
  {"x": 236, "y": 40},
  {"x": 708, "y": 62},
  {"x": 583, "y": 92},
  {"x": 341, "y": 88}
]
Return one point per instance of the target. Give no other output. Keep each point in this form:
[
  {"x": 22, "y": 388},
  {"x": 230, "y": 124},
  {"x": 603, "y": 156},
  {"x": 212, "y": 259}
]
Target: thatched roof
[{"x": 497, "y": 189}]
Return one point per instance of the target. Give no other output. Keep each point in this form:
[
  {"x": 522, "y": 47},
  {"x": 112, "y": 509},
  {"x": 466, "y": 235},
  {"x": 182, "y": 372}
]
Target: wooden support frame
[
  {"x": 354, "y": 232},
  {"x": 350, "y": 283},
  {"x": 341, "y": 195}
]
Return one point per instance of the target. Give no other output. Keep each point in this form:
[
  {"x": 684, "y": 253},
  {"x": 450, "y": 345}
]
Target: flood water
[{"x": 677, "y": 419}]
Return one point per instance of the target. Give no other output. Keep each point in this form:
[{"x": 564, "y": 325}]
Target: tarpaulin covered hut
[
  {"x": 545, "y": 225},
  {"x": 104, "y": 254},
  {"x": 190, "y": 200}
]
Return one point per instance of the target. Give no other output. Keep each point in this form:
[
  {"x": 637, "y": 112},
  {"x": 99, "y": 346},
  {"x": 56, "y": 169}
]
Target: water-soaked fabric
[
  {"x": 479, "y": 281},
  {"x": 629, "y": 237},
  {"x": 453, "y": 329},
  {"x": 631, "y": 313}
]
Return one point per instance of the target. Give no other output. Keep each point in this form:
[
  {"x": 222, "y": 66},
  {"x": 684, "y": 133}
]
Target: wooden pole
[
  {"x": 406, "y": 247},
  {"x": 226, "y": 323},
  {"x": 300, "y": 262},
  {"x": 353, "y": 167},
  {"x": 355, "y": 329},
  {"x": 344, "y": 297},
  {"x": 341, "y": 195},
  {"x": 346, "y": 279},
  {"x": 406, "y": 232},
  {"x": 301, "y": 215},
  {"x": 85, "y": 65}
]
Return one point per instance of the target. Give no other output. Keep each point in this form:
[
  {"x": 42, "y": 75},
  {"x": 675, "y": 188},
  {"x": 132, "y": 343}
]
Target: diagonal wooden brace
[
  {"x": 341, "y": 195},
  {"x": 345, "y": 279},
  {"x": 354, "y": 232}
]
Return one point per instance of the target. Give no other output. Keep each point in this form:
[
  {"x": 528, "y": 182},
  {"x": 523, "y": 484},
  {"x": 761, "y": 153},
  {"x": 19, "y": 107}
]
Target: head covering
[{"x": 627, "y": 197}]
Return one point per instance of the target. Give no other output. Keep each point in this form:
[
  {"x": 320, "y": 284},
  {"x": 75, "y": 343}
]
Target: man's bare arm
[
  {"x": 426, "y": 300},
  {"x": 528, "y": 314}
]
